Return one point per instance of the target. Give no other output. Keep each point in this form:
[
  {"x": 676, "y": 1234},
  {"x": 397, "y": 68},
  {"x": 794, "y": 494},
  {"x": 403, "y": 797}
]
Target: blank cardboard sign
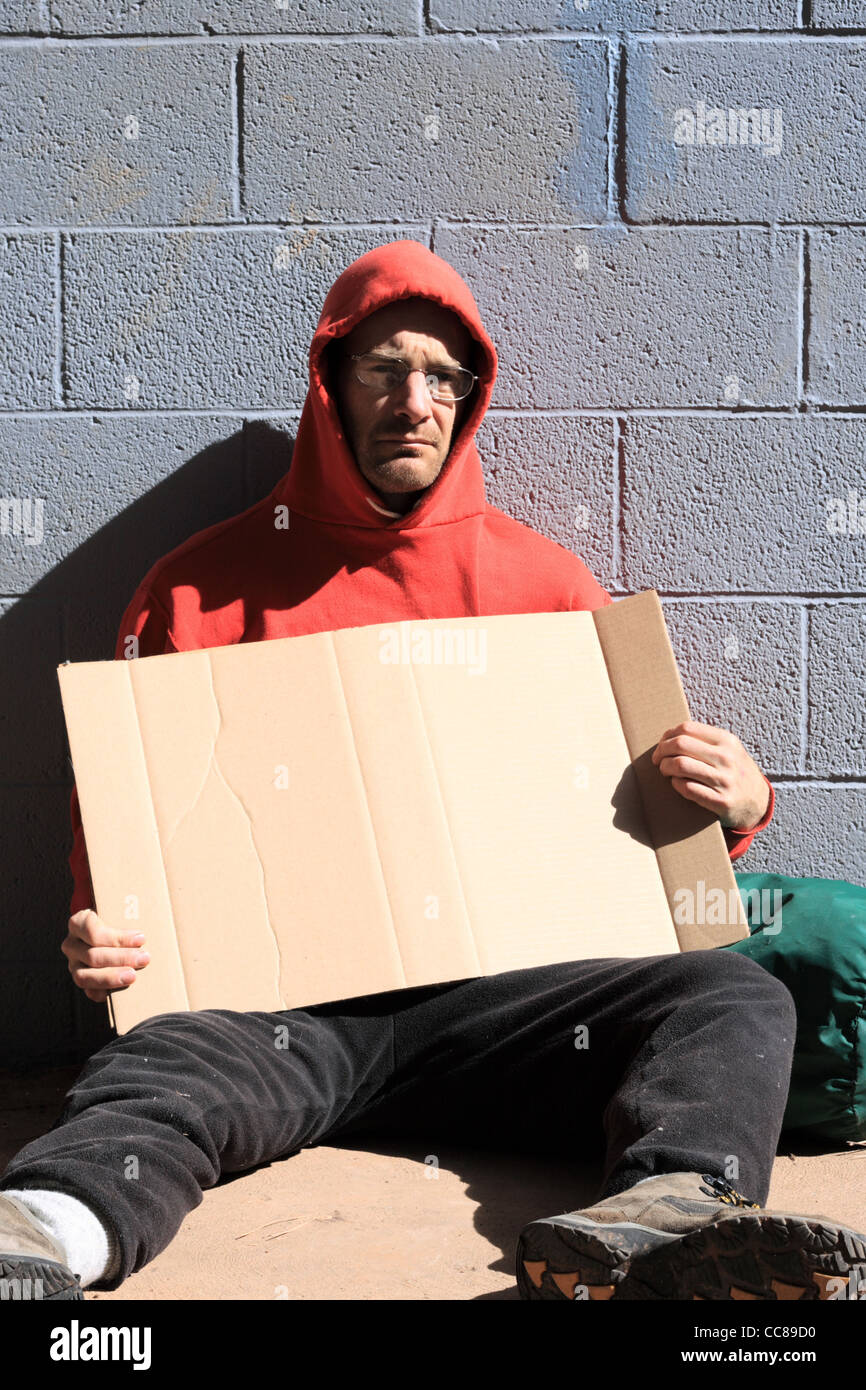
[{"x": 314, "y": 818}]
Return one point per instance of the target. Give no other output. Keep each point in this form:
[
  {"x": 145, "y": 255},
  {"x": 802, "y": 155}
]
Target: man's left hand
[{"x": 711, "y": 766}]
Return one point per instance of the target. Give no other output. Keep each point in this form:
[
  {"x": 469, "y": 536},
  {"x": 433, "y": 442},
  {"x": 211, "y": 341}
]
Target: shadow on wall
[{"x": 73, "y": 613}]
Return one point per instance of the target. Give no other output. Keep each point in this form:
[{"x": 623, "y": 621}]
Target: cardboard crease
[
  {"x": 214, "y": 762},
  {"x": 482, "y": 970},
  {"x": 393, "y": 925}
]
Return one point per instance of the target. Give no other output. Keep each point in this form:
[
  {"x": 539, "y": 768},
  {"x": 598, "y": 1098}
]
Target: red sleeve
[
  {"x": 738, "y": 841},
  {"x": 587, "y": 594},
  {"x": 146, "y": 619}
]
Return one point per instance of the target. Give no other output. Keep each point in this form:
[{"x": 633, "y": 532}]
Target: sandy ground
[{"x": 381, "y": 1223}]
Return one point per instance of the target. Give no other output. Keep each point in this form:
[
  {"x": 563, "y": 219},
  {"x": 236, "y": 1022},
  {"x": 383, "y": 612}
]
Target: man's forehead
[{"x": 416, "y": 315}]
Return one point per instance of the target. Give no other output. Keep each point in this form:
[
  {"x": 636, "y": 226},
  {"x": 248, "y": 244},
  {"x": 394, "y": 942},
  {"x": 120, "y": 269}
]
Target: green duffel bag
[{"x": 811, "y": 934}]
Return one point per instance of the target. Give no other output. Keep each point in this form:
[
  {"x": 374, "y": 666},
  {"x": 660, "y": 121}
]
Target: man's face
[{"x": 380, "y": 425}]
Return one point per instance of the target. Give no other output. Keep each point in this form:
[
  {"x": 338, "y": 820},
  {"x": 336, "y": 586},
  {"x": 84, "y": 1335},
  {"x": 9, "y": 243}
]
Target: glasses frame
[{"x": 444, "y": 400}]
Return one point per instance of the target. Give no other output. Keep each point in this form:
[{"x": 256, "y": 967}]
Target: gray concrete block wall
[
  {"x": 231, "y": 17},
  {"x": 614, "y": 317},
  {"x": 28, "y": 332},
  {"x": 661, "y": 210},
  {"x": 786, "y": 146},
  {"x": 500, "y": 129},
  {"x": 119, "y": 133},
  {"x": 24, "y": 17},
  {"x": 837, "y": 293}
]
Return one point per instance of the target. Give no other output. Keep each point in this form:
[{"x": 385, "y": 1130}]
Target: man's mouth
[{"x": 393, "y": 439}]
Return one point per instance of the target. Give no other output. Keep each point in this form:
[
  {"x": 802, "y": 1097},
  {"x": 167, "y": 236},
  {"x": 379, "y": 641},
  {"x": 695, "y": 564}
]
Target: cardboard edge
[
  {"x": 650, "y": 698},
  {"x": 75, "y": 679}
]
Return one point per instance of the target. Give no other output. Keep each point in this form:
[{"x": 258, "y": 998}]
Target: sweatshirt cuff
[
  {"x": 738, "y": 841},
  {"x": 765, "y": 819}
]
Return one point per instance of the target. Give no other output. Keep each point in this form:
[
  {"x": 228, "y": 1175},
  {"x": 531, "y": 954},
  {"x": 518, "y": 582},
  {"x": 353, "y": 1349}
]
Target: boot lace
[{"x": 721, "y": 1189}]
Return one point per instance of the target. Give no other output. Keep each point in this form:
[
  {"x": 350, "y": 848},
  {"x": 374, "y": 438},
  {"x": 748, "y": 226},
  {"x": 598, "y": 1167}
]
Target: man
[{"x": 691, "y": 1055}]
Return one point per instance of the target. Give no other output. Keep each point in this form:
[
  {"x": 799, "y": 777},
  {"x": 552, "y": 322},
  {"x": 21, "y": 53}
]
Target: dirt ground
[{"x": 389, "y": 1223}]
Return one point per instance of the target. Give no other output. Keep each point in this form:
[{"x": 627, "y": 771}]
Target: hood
[{"x": 324, "y": 481}]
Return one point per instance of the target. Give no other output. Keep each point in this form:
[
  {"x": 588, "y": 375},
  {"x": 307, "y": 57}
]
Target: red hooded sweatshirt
[{"x": 344, "y": 560}]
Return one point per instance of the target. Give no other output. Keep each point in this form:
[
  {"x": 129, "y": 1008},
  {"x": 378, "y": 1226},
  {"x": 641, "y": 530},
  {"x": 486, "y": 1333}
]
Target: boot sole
[
  {"x": 572, "y": 1257},
  {"x": 756, "y": 1256},
  {"x": 27, "y": 1278}
]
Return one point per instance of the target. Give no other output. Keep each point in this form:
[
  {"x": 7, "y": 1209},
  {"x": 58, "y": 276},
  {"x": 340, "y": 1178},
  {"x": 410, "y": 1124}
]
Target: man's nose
[{"x": 413, "y": 398}]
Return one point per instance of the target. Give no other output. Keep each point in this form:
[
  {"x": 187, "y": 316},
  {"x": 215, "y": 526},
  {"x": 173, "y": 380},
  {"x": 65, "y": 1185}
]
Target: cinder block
[
  {"x": 268, "y": 446},
  {"x": 797, "y": 157},
  {"x": 837, "y": 334},
  {"x": 27, "y": 328},
  {"x": 116, "y": 134},
  {"x": 556, "y": 475},
  {"x": 741, "y": 504},
  {"x": 837, "y": 687},
  {"x": 617, "y": 16},
  {"x": 202, "y": 319},
  {"x": 23, "y": 17},
  {"x": 740, "y": 664},
  {"x": 117, "y": 493},
  {"x": 32, "y": 738},
  {"x": 611, "y": 317},
  {"x": 235, "y": 17},
  {"x": 838, "y": 14},
  {"x": 390, "y": 131},
  {"x": 816, "y": 832},
  {"x": 35, "y": 882}
]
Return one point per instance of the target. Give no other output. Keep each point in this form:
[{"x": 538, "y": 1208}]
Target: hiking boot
[
  {"x": 32, "y": 1265},
  {"x": 688, "y": 1236}
]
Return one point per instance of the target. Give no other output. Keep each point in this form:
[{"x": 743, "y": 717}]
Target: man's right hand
[{"x": 101, "y": 960}]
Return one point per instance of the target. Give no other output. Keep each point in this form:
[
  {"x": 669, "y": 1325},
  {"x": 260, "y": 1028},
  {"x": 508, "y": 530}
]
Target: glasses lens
[
  {"x": 375, "y": 371},
  {"x": 445, "y": 385},
  {"x": 450, "y": 385}
]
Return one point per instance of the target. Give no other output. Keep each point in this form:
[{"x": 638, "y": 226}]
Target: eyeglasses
[{"x": 385, "y": 373}]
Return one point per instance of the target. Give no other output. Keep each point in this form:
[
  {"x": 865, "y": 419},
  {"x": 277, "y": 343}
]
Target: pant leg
[
  {"x": 160, "y": 1113},
  {"x": 686, "y": 1068},
  {"x": 687, "y": 1064}
]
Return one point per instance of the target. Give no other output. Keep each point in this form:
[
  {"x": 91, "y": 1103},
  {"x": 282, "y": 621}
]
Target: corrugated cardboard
[{"x": 314, "y": 818}]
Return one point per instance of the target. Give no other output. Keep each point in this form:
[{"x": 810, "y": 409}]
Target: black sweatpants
[{"x": 659, "y": 1064}]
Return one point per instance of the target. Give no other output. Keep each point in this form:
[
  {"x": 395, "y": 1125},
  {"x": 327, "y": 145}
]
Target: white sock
[{"x": 91, "y": 1249}]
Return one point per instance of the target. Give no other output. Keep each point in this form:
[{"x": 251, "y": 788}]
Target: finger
[
  {"x": 98, "y": 933},
  {"x": 80, "y": 917},
  {"x": 687, "y": 745},
  {"x": 694, "y": 769},
  {"x": 700, "y": 794},
  {"x": 710, "y": 732},
  {"x": 90, "y": 928},
  {"x": 102, "y": 979},
  {"x": 693, "y": 726},
  {"x": 75, "y": 949},
  {"x": 96, "y": 957}
]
